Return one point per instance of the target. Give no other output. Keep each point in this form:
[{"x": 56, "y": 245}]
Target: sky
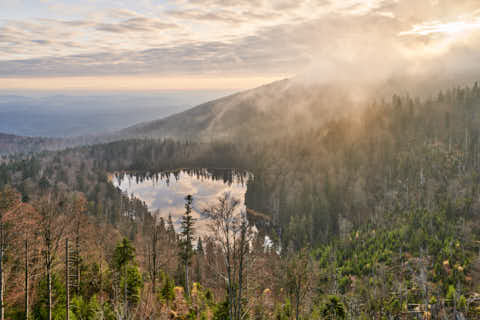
[{"x": 229, "y": 44}]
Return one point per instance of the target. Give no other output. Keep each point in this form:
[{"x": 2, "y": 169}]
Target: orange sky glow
[{"x": 135, "y": 83}]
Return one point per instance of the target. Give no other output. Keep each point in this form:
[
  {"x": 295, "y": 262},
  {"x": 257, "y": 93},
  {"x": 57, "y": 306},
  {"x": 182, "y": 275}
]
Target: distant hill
[
  {"x": 10, "y": 143},
  {"x": 265, "y": 111}
]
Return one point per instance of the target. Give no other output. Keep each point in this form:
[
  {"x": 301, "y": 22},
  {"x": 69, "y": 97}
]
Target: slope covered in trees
[
  {"x": 10, "y": 144},
  {"x": 260, "y": 111},
  {"x": 371, "y": 215},
  {"x": 288, "y": 104}
]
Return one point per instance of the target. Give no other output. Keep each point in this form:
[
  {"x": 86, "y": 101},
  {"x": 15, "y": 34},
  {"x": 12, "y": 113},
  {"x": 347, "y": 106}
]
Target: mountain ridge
[{"x": 266, "y": 111}]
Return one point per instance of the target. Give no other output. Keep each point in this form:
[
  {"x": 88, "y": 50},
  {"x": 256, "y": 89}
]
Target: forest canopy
[{"x": 369, "y": 216}]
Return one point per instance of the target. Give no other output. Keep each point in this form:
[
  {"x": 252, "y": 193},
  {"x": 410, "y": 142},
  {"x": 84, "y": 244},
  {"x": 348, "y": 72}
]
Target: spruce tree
[
  {"x": 170, "y": 228},
  {"x": 123, "y": 256},
  {"x": 186, "y": 251},
  {"x": 200, "y": 250}
]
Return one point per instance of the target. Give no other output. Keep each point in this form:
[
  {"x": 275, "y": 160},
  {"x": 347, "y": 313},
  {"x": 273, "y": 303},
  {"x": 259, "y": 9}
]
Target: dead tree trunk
[
  {"x": 49, "y": 285},
  {"x": 67, "y": 286},
  {"x": 1, "y": 284},
  {"x": 26, "y": 280},
  {"x": 77, "y": 259},
  {"x": 2, "y": 254}
]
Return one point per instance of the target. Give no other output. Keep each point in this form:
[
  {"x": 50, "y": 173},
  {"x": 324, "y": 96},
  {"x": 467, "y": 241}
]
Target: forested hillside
[
  {"x": 287, "y": 104},
  {"x": 10, "y": 144},
  {"x": 13, "y": 144},
  {"x": 372, "y": 215}
]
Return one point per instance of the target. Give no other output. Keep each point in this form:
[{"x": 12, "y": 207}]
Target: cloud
[
  {"x": 137, "y": 24},
  {"x": 368, "y": 40},
  {"x": 225, "y": 16}
]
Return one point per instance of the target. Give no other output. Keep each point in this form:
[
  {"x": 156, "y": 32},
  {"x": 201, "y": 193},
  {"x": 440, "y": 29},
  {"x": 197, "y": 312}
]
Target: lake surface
[{"x": 166, "y": 192}]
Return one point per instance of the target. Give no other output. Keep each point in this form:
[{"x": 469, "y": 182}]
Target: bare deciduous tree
[
  {"x": 298, "y": 273},
  {"x": 52, "y": 224},
  {"x": 10, "y": 202},
  {"x": 233, "y": 235}
]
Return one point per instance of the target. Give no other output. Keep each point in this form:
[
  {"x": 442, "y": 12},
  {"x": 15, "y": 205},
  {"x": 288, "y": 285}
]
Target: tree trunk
[
  {"x": 77, "y": 260},
  {"x": 101, "y": 284},
  {"x": 230, "y": 288},
  {"x": 187, "y": 286},
  {"x": 2, "y": 253},
  {"x": 230, "y": 299},
  {"x": 26, "y": 280},
  {"x": 49, "y": 284},
  {"x": 1, "y": 285},
  {"x": 154, "y": 260},
  {"x": 67, "y": 286},
  {"x": 297, "y": 309},
  {"x": 154, "y": 281},
  {"x": 240, "y": 278},
  {"x": 125, "y": 291}
]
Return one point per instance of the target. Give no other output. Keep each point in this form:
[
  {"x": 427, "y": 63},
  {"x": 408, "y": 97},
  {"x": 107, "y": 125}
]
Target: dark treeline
[
  {"x": 372, "y": 215},
  {"x": 12, "y": 144},
  {"x": 227, "y": 176}
]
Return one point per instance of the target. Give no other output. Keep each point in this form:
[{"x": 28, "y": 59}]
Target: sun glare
[{"x": 426, "y": 29}]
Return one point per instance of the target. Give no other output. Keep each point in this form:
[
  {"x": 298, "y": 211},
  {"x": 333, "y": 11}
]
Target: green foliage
[
  {"x": 333, "y": 308},
  {"x": 168, "y": 293},
  {"x": 187, "y": 223},
  {"x": 220, "y": 311},
  {"x": 209, "y": 296},
  {"x": 344, "y": 284},
  {"x": 107, "y": 312},
  {"x": 85, "y": 310},
  {"x": 462, "y": 303},
  {"x": 91, "y": 278},
  {"x": 451, "y": 295},
  {"x": 124, "y": 254},
  {"x": 40, "y": 308},
  {"x": 134, "y": 284},
  {"x": 284, "y": 311}
]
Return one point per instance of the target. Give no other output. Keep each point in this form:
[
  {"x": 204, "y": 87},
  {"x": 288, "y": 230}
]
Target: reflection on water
[{"x": 165, "y": 192}]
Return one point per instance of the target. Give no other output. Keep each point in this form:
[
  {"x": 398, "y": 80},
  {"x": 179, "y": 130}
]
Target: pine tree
[
  {"x": 200, "y": 246},
  {"x": 186, "y": 251},
  {"x": 124, "y": 255},
  {"x": 170, "y": 228},
  {"x": 334, "y": 308}
]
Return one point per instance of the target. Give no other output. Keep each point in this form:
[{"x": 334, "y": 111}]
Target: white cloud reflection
[{"x": 169, "y": 198}]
